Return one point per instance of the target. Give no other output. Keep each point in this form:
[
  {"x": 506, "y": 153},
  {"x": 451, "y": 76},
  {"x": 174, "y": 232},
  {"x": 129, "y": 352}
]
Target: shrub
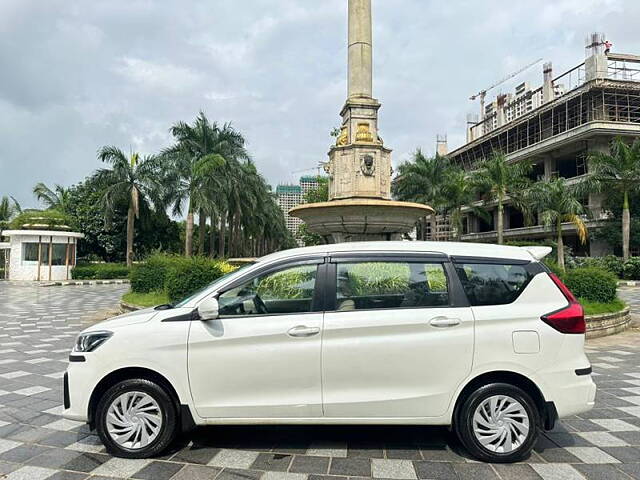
[
  {"x": 590, "y": 283},
  {"x": 610, "y": 263},
  {"x": 631, "y": 269},
  {"x": 554, "y": 267},
  {"x": 186, "y": 277},
  {"x": 99, "y": 271},
  {"x": 150, "y": 276}
]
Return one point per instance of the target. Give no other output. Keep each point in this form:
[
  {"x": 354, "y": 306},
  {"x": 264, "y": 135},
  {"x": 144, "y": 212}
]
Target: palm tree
[
  {"x": 420, "y": 180},
  {"x": 133, "y": 181},
  {"x": 56, "y": 199},
  {"x": 558, "y": 203},
  {"x": 616, "y": 172},
  {"x": 200, "y": 151},
  {"x": 9, "y": 208},
  {"x": 457, "y": 192},
  {"x": 497, "y": 179}
]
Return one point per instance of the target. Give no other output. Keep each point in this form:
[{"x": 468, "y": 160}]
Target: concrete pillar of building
[
  {"x": 548, "y": 93},
  {"x": 549, "y": 167},
  {"x": 442, "y": 146},
  {"x": 501, "y": 117},
  {"x": 360, "y": 49}
]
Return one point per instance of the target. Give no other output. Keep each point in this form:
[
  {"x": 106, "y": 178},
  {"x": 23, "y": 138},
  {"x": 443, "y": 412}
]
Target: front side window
[
  {"x": 285, "y": 291},
  {"x": 493, "y": 284},
  {"x": 374, "y": 285}
]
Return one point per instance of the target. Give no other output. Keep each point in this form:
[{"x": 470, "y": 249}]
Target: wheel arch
[
  {"x": 182, "y": 410},
  {"x": 546, "y": 409}
]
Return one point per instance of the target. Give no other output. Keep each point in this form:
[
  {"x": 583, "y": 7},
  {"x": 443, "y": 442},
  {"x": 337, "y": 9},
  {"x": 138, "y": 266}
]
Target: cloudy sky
[{"x": 77, "y": 74}]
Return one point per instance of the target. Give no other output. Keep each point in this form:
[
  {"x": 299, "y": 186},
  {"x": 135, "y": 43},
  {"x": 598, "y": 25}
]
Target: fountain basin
[{"x": 361, "y": 219}]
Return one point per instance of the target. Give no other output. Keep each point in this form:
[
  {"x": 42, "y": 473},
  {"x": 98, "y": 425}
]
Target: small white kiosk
[{"x": 40, "y": 255}]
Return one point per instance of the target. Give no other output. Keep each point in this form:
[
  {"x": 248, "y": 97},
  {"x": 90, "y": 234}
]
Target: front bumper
[{"x": 79, "y": 381}]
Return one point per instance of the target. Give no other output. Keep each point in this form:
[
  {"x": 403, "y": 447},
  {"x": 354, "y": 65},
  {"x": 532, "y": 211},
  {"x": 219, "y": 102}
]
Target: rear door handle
[
  {"x": 444, "y": 322},
  {"x": 303, "y": 331}
]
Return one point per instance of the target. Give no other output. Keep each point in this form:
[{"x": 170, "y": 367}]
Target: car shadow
[{"x": 402, "y": 442}]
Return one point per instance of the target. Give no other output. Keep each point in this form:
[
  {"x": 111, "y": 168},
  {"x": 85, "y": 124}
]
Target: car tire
[
  {"x": 136, "y": 418},
  {"x": 498, "y": 423}
]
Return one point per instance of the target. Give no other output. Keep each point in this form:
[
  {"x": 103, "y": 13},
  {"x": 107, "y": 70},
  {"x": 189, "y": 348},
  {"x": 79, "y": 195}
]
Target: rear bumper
[{"x": 575, "y": 395}]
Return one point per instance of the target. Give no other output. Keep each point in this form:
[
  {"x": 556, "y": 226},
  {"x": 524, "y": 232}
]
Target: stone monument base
[{"x": 361, "y": 219}]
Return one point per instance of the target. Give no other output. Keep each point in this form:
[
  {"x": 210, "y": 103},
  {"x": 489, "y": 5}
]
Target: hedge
[
  {"x": 150, "y": 276},
  {"x": 591, "y": 283},
  {"x": 99, "y": 271},
  {"x": 178, "y": 276},
  {"x": 631, "y": 270},
  {"x": 42, "y": 219},
  {"x": 610, "y": 263}
]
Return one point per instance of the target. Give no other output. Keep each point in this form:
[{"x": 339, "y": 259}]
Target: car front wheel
[
  {"x": 136, "y": 419},
  {"x": 498, "y": 423}
]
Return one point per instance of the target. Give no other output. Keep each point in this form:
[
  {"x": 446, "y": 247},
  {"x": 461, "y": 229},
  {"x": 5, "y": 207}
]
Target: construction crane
[{"x": 483, "y": 93}]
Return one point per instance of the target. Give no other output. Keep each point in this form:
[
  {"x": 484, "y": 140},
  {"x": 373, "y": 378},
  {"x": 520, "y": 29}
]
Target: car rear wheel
[
  {"x": 136, "y": 419},
  {"x": 498, "y": 423}
]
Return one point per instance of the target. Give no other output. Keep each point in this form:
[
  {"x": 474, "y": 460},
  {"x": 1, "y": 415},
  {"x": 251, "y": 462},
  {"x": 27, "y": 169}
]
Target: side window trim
[
  {"x": 457, "y": 297},
  {"x": 317, "y": 300},
  {"x": 269, "y": 269}
]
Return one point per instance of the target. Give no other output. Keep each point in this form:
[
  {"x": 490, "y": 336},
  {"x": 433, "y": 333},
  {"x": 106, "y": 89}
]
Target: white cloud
[{"x": 158, "y": 76}]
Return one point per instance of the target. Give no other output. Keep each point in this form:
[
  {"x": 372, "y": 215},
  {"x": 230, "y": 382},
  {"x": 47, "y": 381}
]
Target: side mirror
[{"x": 208, "y": 309}]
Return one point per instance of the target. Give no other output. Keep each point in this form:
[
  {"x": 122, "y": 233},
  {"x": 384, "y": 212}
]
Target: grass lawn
[
  {"x": 596, "y": 308},
  {"x": 145, "y": 299}
]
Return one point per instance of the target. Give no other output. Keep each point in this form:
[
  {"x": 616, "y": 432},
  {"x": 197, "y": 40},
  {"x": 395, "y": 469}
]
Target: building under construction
[{"x": 555, "y": 127}]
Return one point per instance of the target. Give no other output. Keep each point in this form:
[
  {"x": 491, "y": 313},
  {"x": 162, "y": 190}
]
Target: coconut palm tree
[
  {"x": 200, "y": 151},
  {"x": 496, "y": 179},
  {"x": 558, "y": 203},
  {"x": 133, "y": 181},
  {"x": 616, "y": 173},
  {"x": 9, "y": 208},
  {"x": 420, "y": 180},
  {"x": 457, "y": 192},
  {"x": 54, "y": 199}
]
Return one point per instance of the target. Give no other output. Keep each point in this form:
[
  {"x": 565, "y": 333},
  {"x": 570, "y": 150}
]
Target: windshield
[{"x": 184, "y": 301}]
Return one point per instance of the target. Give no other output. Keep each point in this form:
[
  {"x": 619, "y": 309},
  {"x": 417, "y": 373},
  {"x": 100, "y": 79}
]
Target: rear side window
[
  {"x": 492, "y": 284},
  {"x": 374, "y": 285}
]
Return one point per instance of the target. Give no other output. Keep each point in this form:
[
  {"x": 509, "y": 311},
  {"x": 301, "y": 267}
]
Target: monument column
[
  {"x": 359, "y": 166},
  {"x": 360, "y": 49}
]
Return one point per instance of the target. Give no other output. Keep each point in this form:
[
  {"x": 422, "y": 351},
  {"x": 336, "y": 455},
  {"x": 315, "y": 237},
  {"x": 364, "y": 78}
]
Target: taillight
[{"x": 569, "y": 319}]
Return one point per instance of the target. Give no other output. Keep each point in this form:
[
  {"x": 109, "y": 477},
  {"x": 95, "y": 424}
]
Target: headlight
[{"x": 88, "y": 342}]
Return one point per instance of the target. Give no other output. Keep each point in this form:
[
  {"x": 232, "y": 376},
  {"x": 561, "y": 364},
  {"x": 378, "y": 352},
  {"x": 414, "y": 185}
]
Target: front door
[
  {"x": 261, "y": 358},
  {"x": 397, "y": 345}
]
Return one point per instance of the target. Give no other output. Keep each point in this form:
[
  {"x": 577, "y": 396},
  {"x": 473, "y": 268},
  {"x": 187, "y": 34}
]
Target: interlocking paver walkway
[{"x": 37, "y": 328}]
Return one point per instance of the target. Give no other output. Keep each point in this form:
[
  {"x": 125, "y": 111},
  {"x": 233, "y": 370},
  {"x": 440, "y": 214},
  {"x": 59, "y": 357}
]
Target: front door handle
[
  {"x": 303, "y": 331},
  {"x": 444, "y": 322}
]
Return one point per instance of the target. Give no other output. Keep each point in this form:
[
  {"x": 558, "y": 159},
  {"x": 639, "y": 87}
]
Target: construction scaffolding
[{"x": 527, "y": 121}]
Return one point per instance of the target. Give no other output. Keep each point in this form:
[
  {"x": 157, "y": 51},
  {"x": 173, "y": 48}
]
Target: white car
[{"x": 479, "y": 337}]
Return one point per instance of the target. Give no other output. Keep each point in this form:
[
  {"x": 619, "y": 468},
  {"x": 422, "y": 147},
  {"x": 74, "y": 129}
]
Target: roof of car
[{"x": 446, "y": 248}]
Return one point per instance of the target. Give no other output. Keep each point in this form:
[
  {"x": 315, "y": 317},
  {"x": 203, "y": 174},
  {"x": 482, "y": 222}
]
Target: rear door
[{"x": 397, "y": 338}]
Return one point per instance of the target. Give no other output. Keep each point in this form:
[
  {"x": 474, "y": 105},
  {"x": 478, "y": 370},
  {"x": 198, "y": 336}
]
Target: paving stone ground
[{"x": 37, "y": 328}]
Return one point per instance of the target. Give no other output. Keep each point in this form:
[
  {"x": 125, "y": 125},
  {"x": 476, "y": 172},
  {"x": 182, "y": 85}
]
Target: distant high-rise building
[{"x": 289, "y": 196}]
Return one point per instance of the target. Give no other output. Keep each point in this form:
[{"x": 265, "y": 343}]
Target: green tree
[
  {"x": 616, "y": 173},
  {"x": 200, "y": 152},
  {"x": 56, "y": 199},
  {"x": 421, "y": 180},
  {"x": 134, "y": 181},
  {"x": 456, "y": 192},
  {"x": 315, "y": 195},
  {"x": 497, "y": 179},
  {"x": 558, "y": 203},
  {"x": 9, "y": 208}
]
